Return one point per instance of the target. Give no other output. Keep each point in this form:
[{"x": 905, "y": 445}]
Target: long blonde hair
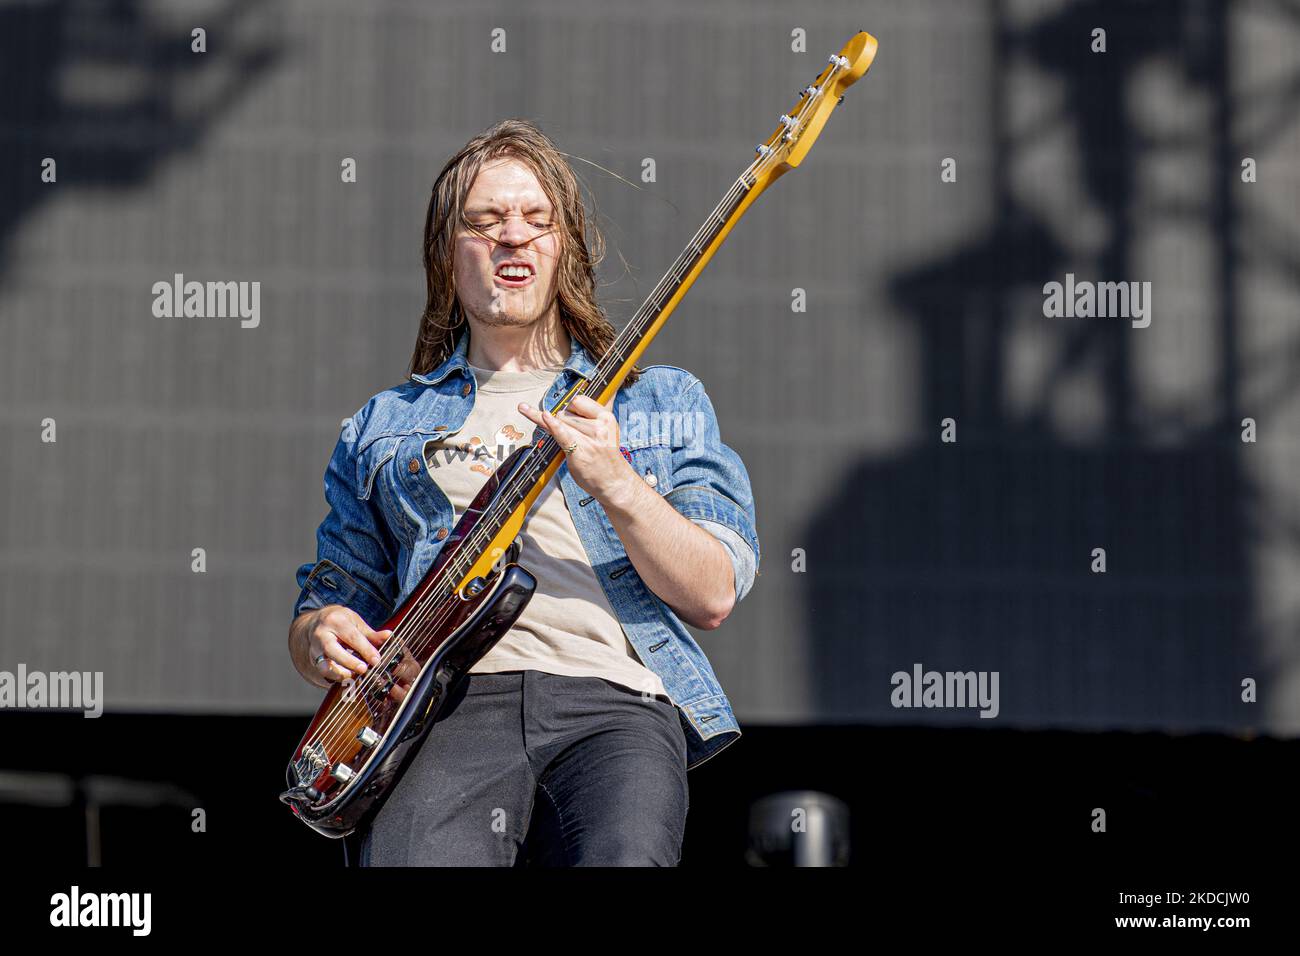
[{"x": 580, "y": 314}]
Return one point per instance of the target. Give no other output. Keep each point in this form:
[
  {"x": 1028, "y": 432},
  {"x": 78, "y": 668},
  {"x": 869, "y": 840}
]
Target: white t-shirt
[{"x": 568, "y": 627}]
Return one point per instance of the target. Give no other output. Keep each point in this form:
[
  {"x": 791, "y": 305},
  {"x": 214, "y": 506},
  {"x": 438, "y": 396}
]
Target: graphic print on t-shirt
[{"x": 485, "y": 457}]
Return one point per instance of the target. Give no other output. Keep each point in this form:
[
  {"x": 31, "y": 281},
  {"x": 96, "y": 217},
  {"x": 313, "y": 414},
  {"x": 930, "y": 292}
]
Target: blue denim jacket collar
[{"x": 579, "y": 361}]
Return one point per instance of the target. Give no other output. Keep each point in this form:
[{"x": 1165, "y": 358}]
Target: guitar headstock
[{"x": 800, "y": 127}]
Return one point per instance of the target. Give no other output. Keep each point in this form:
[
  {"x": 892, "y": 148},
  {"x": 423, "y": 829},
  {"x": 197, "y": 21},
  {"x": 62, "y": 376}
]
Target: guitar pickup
[{"x": 390, "y": 671}]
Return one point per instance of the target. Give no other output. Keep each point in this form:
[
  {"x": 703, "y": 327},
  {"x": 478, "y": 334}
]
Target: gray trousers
[{"x": 531, "y": 769}]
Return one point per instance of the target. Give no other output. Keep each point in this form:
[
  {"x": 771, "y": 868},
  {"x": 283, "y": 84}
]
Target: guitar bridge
[{"x": 309, "y": 766}]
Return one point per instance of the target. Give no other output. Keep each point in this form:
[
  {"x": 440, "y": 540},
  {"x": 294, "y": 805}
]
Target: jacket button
[
  {"x": 466, "y": 390},
  {"x": 442, "y": 533},
  {"x": 650, "y": 479},
  {"x": 413, "y": 466}
]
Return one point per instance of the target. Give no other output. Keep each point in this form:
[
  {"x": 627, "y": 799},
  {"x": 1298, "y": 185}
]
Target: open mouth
[{"x": 514, "y": 276}]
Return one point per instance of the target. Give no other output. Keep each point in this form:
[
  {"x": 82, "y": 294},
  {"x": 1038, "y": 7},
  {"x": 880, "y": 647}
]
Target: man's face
[{"x": 508, "y": 203}]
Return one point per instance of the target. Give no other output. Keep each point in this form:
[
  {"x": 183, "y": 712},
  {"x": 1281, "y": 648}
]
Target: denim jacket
[{"x": 388, "y": 519}]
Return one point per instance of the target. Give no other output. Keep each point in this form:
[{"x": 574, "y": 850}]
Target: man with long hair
[{"x": 569, "y": 741}]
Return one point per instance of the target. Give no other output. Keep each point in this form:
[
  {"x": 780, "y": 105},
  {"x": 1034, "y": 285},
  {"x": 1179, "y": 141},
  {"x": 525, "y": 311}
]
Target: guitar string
[{"x": 427, "y": 609}]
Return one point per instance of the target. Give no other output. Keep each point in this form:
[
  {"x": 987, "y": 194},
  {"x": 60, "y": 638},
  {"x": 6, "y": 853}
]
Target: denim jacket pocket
[
  {"x": 330, "y": 584},
  {"x": 654, "y": 463},
  {"x": 370, "y": 459}
]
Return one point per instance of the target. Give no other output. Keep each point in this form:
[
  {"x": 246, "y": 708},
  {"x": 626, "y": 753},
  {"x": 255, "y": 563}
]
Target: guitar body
[{"x": 365, "y": 731}]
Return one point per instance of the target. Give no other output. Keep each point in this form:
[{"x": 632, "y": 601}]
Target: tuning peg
[{"x": 762, "y": 150}]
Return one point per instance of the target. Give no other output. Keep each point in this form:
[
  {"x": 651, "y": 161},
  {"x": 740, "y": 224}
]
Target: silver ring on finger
[
  {"x": 316, "y": 661},
  {"x": 571, "y": 448}
]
